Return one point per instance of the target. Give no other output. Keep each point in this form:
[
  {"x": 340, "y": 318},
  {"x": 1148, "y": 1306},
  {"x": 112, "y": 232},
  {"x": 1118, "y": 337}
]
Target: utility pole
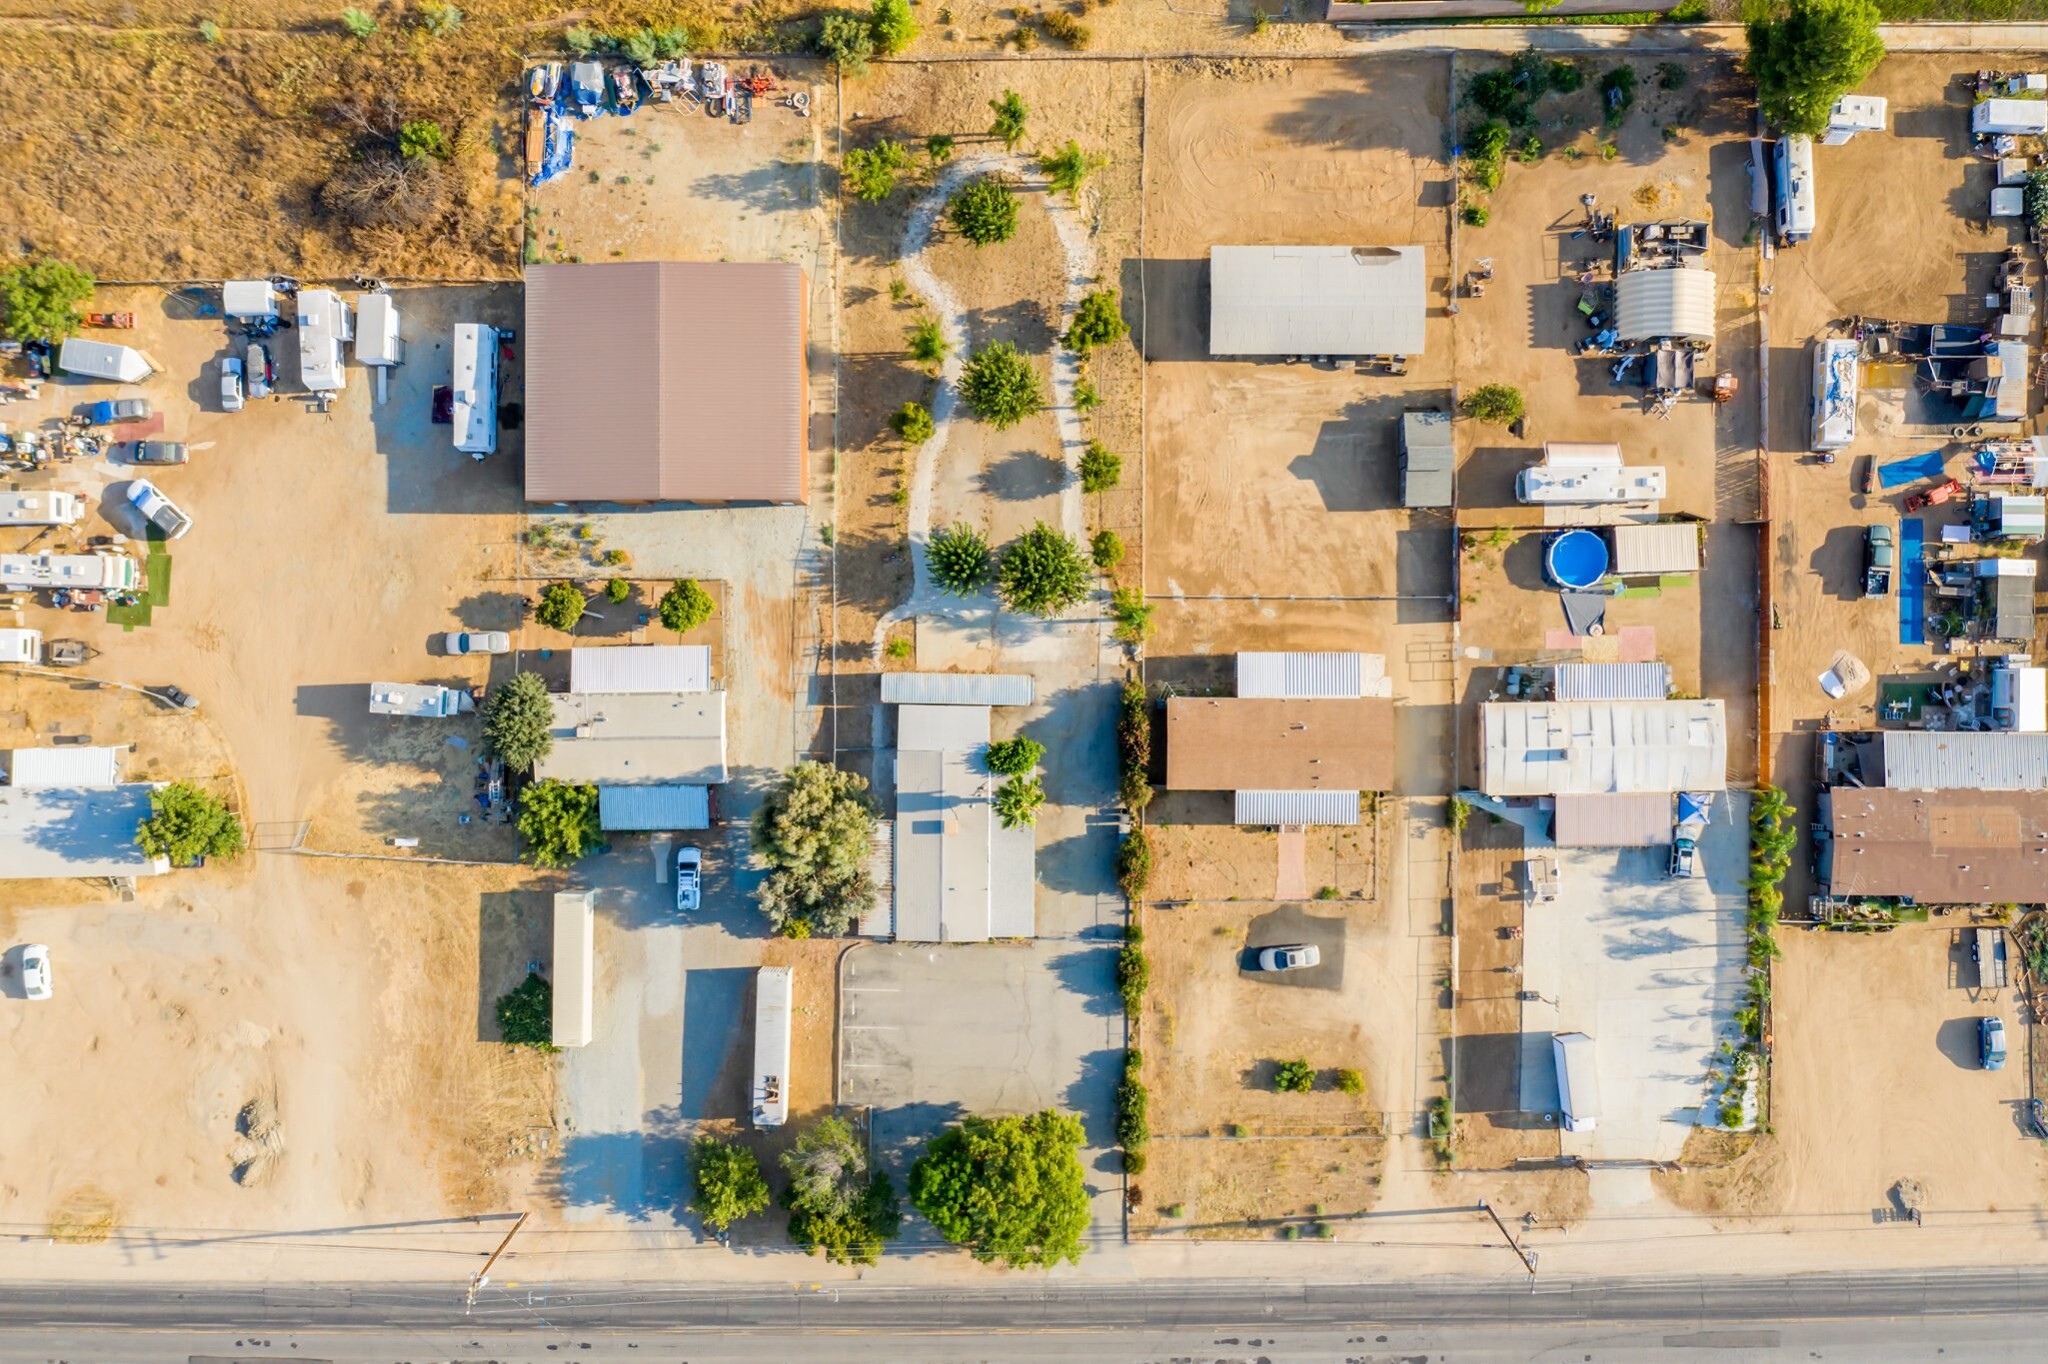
[
  {"x": 1528, "y": 1259},
  {"x": 483, "y": 1276}
]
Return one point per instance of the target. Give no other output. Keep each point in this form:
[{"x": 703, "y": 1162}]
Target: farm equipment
[
  {"x": 1720, "y": 388},
  {"x": 121, "y": 320},
  {"x": 1933, "y": 497}
]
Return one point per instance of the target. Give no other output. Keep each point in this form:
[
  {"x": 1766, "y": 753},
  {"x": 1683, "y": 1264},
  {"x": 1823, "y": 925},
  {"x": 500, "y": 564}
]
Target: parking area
[{"x": 1652, "y": 968}]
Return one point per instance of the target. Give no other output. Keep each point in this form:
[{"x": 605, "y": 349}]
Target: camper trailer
[
  {"x": 1578, "y": 1081},
  {"x": 47, "y": 508},
  {"x": 773, "y": 996},
  {"x": 105, "y": 361},
  {"x": 1797, "y": 214},
  {"x": 1835, "y": 362},
  {"x": 377, "y": 339},
  {"x": 1853, "y": 114},
  {"x": 21, "y": 646},
  {"x": 1575, "y": 474},
  {"x": 2010, "y": 117},
  {"x": 325, "y": 325},
  {"x": 97, "y": 572},
  {"x": 249, "y": 300},
  {"x": 476, "y": 389}
]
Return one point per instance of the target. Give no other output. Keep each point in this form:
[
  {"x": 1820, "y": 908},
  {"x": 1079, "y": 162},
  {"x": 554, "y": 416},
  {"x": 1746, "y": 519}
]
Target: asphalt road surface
[{"x": 1978, "y": 1314}]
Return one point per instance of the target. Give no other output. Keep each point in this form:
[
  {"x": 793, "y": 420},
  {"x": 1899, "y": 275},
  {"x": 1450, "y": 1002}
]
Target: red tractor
[{"x": 1933, "y": 497}]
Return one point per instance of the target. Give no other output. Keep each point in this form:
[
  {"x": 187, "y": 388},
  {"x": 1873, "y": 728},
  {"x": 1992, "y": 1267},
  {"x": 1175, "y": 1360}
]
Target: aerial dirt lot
[
  {"x": 1206, "y": 861},
  {"x": 1876, "y": 1079},
  {"x": 1302, "y": 499}
]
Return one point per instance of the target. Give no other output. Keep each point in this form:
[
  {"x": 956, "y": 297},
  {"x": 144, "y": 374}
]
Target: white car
[
  {"x": 689, "y": 879},
  {"x": 1296, "y": 958},
  {"x": 35, "y": 971},
  {"x": 459, "y": 642},
  {"x": 231, "y": 384},
  {"x": 152, "y": 506}
]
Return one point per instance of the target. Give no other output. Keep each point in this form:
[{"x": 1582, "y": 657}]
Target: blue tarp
[
  {"x": 1900, "y": 472},
  {"x": 561, "y": 148},
  {"x": 1912, "y": 585}
]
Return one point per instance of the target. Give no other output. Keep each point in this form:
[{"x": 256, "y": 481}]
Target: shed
[
  {"x": 2011, "y": 599},
  {"x": 2018, "y": 117},
  {"x": 640, "y": 668},
  {"x": 1428, "y": 459},
  {"x": 377, "y": 338},
  {"x": 77, "y": 766},
  {"x": 103, "y": 360},
  {"x": 1303, "y": 676},
  {"x": 574, "y": 985},
  {"x": 2008, "y": 202},
  {"x": 1644, "y": 551},
  {"x": 1316, "y": 300},
  {"x": 249, "y": 299},
  {"x": 474, "y": 389},
  {"x": 1638, "y": 820},
  {"x": 956, "y": 689},
  {"x": 1612, "y": 681},
  {"x": 1675, "y": 303},
  {"x": 653, "y": 809},
  {"x": 1339, "y": 808}
]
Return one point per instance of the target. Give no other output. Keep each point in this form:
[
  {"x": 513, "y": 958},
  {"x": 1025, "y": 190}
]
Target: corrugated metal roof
[
  {"x": 67, "y": 831},
  {"x": 1303, "y": 675},
  {"x": 1642, "y": 820},
  {"x": 1542, "y": 748},
  {"x": 943, "y": 853},
  {"x": 80, "y": 766},
  {"x": 1297, "y": 807},
  {"x": 646, "y": 809},
  {"x": 1654, "y": 304},
  {"x": 956, "y": 689},
  {"x": 573, "y": 981},
  {"x": 629, "y": 740},
  {"x": 666, "y": 381},
  {"x": 1316, "y": 300},
  {"x": 1428, "y": 459},
  {"x": 1924, "y": 760},
  {"x": 1612, "y": 681},
  {"x": 941, "y": 729},
  {"x": 1662, "y": 547},
  {"x": 641, "y": 668}
]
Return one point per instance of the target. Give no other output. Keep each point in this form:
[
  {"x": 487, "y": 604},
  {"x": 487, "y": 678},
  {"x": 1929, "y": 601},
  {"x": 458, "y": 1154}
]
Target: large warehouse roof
[
  {"x": 1222, "y": 743},
  {"x": 1316, "y": 300},
  {"x": 1674, "y": 303},
  {"x": 1957, "y": 847},
  {"x": 1592, "y": 748},
  {"x": 654, "y": 381}
]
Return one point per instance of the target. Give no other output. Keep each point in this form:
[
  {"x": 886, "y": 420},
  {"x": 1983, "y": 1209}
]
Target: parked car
[
  {"x": 1879, "y": 558},
  {"x": 158, "y": 510},
  {"x": 176, "y": 696},
  {"x": 154, "y": 451},
  {"x": 35, "y": 971},
  {"x": 1685, "y": 852},
  {"x": 257, "y": 370},
  {"x": 689, "y": 879},
  {"x": 107, "y": 413},
  {"x": 459, "y": 642},
  {"x": 231, "y": 384},
  {"x": 1297, "y": 957},
  {"x": 1991, "y": 1043}
]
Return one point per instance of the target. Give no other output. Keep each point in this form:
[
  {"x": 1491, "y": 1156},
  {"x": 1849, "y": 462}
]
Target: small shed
[
  {"x": 1675, "y": 303},
  {"x": 2008, "y": 593},
  {"x": 2009, "y": 202},
  {"x": 1303, "y": 676},
  {"x": 1428, "y": 459},
  {"x": 377, "y": 338},
  {"x": 253, "y": 300},
  {"x": 1651, "y": 551}
]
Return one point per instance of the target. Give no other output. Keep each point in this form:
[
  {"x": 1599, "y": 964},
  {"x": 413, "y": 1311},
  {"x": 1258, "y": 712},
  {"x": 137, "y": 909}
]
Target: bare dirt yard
[{"x": 1228, "y": 862}]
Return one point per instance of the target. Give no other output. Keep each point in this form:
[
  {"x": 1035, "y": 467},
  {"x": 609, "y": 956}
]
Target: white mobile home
[
  {"x": 476, "y": 389},
  {"x": 21, "y": 646},
  {"x": 377, "y": 338},
  {"x": 1578, "y": 1080},
  {"x": 86, "y": 572},
  {"x": 253, "y": 300},
  {"x": 418, "y": 700},
  {"x": 1835, "y": 361},
  {"x": 1797, "y": 211},
  {"x": 575, "y": 967},
  {"x": 325, "y": 325},
  {"x": 47, "y": 508},
  {"x": 774, "y": 989},
  {"x": 1574, "y": 474},
  {"x": 2014, "y": 117},
  {"x": 105, "y": 361}
]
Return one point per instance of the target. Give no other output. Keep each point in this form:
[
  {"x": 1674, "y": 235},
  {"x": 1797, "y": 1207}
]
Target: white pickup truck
[{"x": 150, "y": 503}]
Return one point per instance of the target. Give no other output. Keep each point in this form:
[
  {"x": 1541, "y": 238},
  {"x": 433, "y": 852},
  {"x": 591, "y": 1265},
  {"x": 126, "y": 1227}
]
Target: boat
[
  {"x": 625, "y": 89},
  {"x": 544, "y": 82},
  {"x": 586, "y": 87}
]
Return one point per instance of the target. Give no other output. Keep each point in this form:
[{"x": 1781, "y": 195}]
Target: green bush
[
  {"x": 1670, "y": 76},
  {"x": 1101, "y": 468},
  {"x": 580, "y": 39},
  {"x": 869, "y": 173},
  {"x": 1014, "y": 757},
  {"x": 939, "y": 147},
  {"x": 561, "y": 606},
  {"x": 617, "y": 590},
  {"x": 1133, "y": 973},
  {"x": 1475, "y": 215},
  {"x": 1106, "y": 549},
  {"x": 526, "y": 1014},
  {"x": 1132, "y": 614},
  {"x": 1497, "y": 404},
  {"x": 357, "y": 23},
  {"x": 847, "y": 41},
  {"x": 558, "y": 822},
  {"x": 422, "y": 139},
  {"x": 959, "y": 559},
  {"x": 1457, "y": 814},
  {"x": 1294, "y": 1077},
  {"x": 1134, "y": 866},
  {"x": 892, "y": 25},
  {"x": 1018, "y": 800},
  {"x": 1011, "y": 112},
  {"x": 1098, "y": 321},
  {"x": 1565, "y": 75},
  {"x": 209, "y": 31},
  {"x": 1134, "y": 1164},
  {"x": 928, "y": 342},
  {"x": 1487, "y": 154},
  {"x": 1041, "y": 572},
  {"x": 1617, "y": 93},
  {"x": 685, "y": 606},
  {"x": 1133, "y": 1105},
  {"x": 729, "y": 1185},
  {"x": 913, "y": 423},
  {"x": 1807, "y": 54},
  {"x": 985, "y": 211},
  {"x": 1067, "y": 168},
  {"x": 1000, "y": 386},
  {"x": 1350, "y": 1081}
]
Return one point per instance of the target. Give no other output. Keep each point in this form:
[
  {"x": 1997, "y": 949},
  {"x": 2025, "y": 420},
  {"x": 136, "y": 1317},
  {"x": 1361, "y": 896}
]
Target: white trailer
[
  {"x": 774, "y": 990},
  {"x": 420, "y": 701},
  {"x": 250, "y": 300},
  {"x": 325, "y": 324},
  {"x": 1798, "y": 206},
  {"x": 1578, "y": 474},
  {"x": 378, "y": 341},
  {"x": 98, "y": 571},
  {"x": 575, "y": 967},
  {"x": 1835, "y": 362},
  {"x": 1578, "y": 1080},
  {"x": 1853, "y": 114},
  {"x": 46, "y": 508},
  {"x": 2010, "y": 117},
  {"x": 2019, "y": 695},
  {"x": 21, "y": 646},
  {"x": 105, "y": 361},
  {"x": 475, "y": 389}
]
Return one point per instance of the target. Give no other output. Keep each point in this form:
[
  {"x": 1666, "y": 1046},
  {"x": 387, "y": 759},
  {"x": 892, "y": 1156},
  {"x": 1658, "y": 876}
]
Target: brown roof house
[
  {"x": 1956, "y": 847},
  {"x": 664, "y": 381},
  {"x": 1303, "y": 756}
]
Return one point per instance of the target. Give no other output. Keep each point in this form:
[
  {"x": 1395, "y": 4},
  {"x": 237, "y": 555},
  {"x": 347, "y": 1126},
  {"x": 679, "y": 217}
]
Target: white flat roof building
[
  {"x": 1557, "y": 748},
  {"x": 1853, "y": 114},
  {"x": 475, "y": 389},
  {"x": 79, "y": 766},
  {"x": 73, "y": 832},
  {"x": 418, "y": 700},
  {"x": 377, "y": 337},
  {"x": 635, "y": 668},
  {"x": 655, "y": 739},
  {"x": 325, "y": 325},
  {"x": 47, "y": 507},
  {"x": 959, "y": 876},
  {"x": 1316, "y": 300},
  {"x": 1578, "y": 474}
]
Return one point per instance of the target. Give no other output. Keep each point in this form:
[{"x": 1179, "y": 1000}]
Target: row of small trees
[{"x": 684, "y": 607}]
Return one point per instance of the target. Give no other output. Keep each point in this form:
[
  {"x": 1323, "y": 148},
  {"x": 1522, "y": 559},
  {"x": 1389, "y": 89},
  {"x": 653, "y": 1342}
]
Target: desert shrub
[
  {"x": 1670, "y": 76},
  {"x": 421, "y": 138},
  {"x": 39, "y": 300},
  {"x": 1106, "y": 549},
  {"x": 913, "y": 422},
  {"x": 847, "y": 41},
  {"x": 1098, "y": 321},
  {"x": 959, "y": 559},
  {"x": 209, "y": 31},
  {"x": 580, "y": 39},
  {"x": 1101, "y": 468},
  {"x": 386, "y": 189},
  {"x": 984, "y": 212},
  {"x": 438, "y": 18},
  {"x": 1617, "y": 93},
  {"x": 1350, "y": 1081},
  {"x": 1000, "y": 386},
  {"x": 1065, "y": 27},
  {"x": 1042, "y": 572},
  {"x": 357, "y": 23},
  {"x": 1565, "y": 76},
  {"x": 617, "y": 590},
  {"x": 1067, "y": 168},
  {"x": 1487, "y": 154},
  {"x": 869, "y": 173},
  {"x": 939, "y": 147},
  {"x": 927, "y": 342},
  {"x": 1132, "y": 614},
  {"x": 1294, "y": 1077},
  {"x": 1011, "y": 112},
  {"x": 892, "y": 26},
  {"x": 1498, "y": 404},
  {"x": 1475, "y": 215}
]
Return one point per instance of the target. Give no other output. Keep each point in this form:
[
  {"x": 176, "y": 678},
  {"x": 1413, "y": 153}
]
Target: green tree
[
  {"x": 1500, "y": 404},
  {"x": 1133, "y": 972},
  {"x": 561, "y": 606},
  {"x": 1014, "y": 757},
  {"x": 1809, "y": 55},
  {"x": 985, "y": 211},
  {"x": 526, "y": 1014},
  {"x": 617, "y": 590},
  {"x": 438, "y": 18},
  {"x": 816, "y": 833},
  {"x": 1132, "y": 614},
  {"x": 729, "y": 1183},
  {"x": 837, "y": 1206},
  {"x": 358, "y": 23},
  {"x": 939, "y": 147},
  {"x": 1294, "y": 1077},
  {"x": 892, "y": 25},
  {"x": 1000, "y": 386},
  {"x": 847, "y": 41},
  {"x": 685, "y": 606},
  {"x": 1101, "y": 468},
  {"x": 39, "y": 300},
  {"x": 913, "y": 422},
  {"x": 637, "y": 45},
  {"x": 1133, "y": 1105},
  {"x": 1017, "y": 801},
  {"x": 1042, "y": 572},
  {"x": 1010, "y": 111},
  {"x": 1067, "y": 168},
  {"x": 1097, "y": 322},
  {"x": 1107, "y": 549},
  {"x": 1008, "y": 1189},
  {"x": 186, "y": 824},
  {"x": 928, "y": 345},
  {"x": 959, "y": 559},
  {"x": 870, "y": 172},
  {"x": 519, "y": 721},
  {"x": 422, "y": 139},
  {"x": 1134, "y": 864},
  {"x": 558, "y": 823}
]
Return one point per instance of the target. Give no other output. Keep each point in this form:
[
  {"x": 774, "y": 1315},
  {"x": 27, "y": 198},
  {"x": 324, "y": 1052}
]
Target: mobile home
[
  {"x": 105, "y": 361},
  {"x": 377, "y": 337},
  {"x": 1797, "y": 213},
  {"x": 476, "y": 389},
  {"x": 46, "y": 508},
  {"x": 325, "y": 324},
  {"x": 85, "y": 572},
  {"x": 1835, "y": 361}
]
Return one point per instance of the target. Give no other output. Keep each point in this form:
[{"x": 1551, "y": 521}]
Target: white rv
[
  {"x": 105, "y": 361},
  {"x": 575, "y": 967},
  {"x": 1578, "y": 1080},
  {"x": 325, "y": 324},
  {"x": 774, "y": 990},
  {"x": 47, "y": 508},
  {"x": 1578, "y": 474},
  {"x": 21, "y": 646},
  {"x": 475, "y": 389},
  {"x": 1853, "y": 114},
  {"x": 420, "y": 701},
  {"x": 2010, "y": 117},
  {"x": 1798, "y": 214},
  {"x": 1835, "y": 361},
  {"x": 87, "y": 572},
  {"x": 377, "y": 338},
  {"x": 251, "y": 300}
]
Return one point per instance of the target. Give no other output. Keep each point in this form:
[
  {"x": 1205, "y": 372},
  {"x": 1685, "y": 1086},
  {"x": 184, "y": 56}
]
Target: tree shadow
[{"x": 1022, "y": 476}]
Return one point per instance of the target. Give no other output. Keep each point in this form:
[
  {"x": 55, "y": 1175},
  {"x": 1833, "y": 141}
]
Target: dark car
[
  {"x": 176, "y": 696},
  {"x": 155, "y": 452}
]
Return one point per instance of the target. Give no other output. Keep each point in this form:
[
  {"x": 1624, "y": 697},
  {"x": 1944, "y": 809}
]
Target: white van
[{"x": 1797, "y": 213}]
